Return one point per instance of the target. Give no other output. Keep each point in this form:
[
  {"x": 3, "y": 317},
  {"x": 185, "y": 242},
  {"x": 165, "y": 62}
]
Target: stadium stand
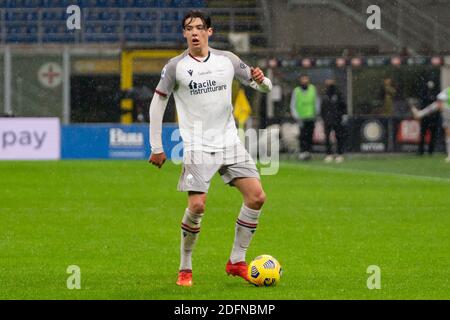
[
  {"x": 154, "y": 22},
  {"x": 44, "y": 21}
]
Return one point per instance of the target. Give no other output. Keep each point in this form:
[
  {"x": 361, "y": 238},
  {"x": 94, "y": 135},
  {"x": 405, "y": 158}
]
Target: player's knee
[
  {"x": 197, "y": 207},
  {"x": 257, "y": 200}
]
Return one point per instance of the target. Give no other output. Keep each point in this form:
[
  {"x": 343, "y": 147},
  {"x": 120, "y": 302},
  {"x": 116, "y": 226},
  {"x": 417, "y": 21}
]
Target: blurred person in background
[
  {"x": 387, "y": 95},
  {"x": 333, "y": 111},
  {"x": 430, "y": 122},
  {"x": 442, "y": 105},
  {"x": 305, "y": 106}
]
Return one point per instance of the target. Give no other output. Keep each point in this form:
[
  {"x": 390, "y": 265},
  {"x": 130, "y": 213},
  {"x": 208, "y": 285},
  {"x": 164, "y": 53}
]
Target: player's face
[{"x": 196, "y": 34}]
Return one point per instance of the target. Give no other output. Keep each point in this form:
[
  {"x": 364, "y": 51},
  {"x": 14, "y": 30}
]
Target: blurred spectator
[
  {"x": 305, "y": 105},
  {"x": 333, "y": 112},
  {"x": 387, "y": 95},
  {"x": 431, "y": 122}
]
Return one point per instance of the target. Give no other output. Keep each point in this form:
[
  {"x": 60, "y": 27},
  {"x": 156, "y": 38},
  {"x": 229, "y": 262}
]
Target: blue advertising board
[{"x": 115, "y": 141}]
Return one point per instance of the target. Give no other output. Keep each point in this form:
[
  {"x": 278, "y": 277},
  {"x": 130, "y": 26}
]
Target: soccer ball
[{"x": 264, "y": 270}]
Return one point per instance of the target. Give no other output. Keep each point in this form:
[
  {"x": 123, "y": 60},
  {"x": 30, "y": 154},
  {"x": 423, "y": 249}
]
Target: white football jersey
[{"x": 202, "y": 92}]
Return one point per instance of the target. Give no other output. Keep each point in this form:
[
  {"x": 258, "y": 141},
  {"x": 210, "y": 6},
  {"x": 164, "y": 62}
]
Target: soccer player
[
  {"x": 201, "y": 82},
  {"x": 441, "y": 104}
]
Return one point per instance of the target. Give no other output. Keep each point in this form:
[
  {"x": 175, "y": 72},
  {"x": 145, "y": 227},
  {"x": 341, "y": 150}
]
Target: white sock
[
  {"x": 190, "y": 229},
  {"x": 447, "y": 140},
  {"x": 245, "y": 228}
]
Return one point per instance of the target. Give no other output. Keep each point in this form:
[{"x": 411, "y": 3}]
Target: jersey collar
[{"x": 196, "y": 59}]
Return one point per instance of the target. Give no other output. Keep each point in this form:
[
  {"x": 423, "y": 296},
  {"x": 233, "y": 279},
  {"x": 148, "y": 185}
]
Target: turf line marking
[{"x": 405, "y": 175}]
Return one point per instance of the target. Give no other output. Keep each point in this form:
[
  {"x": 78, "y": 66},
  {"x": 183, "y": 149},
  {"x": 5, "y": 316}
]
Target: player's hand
[
  {"x": 157, "y": 159},
  {"x": 257, "y": 74}
]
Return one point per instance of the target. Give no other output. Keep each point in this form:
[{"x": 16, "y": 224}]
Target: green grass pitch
[{"x": 119, "y": 222}]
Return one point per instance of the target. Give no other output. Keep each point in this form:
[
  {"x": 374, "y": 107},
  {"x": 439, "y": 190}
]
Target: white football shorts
[{"x": 199, "y": 167}]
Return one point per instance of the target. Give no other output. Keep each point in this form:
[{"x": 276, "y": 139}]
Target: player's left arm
[
  {"x": 259, "y": 81},
  {"x": 249, "y": 76}
]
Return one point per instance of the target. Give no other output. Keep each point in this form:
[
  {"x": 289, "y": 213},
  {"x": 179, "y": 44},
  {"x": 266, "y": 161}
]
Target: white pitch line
[{"x": 405, "y": 175}]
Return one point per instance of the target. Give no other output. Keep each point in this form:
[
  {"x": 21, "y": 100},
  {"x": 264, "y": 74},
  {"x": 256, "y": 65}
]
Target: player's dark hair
[{"x": 191, "y": 15}]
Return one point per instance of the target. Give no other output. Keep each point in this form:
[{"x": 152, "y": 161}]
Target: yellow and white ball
[{"x": 264, "y": 270}]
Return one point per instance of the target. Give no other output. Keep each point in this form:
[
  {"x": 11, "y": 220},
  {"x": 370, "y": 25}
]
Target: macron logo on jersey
[{"x": 205, "y": 87}]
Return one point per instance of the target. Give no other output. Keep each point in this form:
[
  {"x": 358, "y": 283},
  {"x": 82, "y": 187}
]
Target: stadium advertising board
[
  {"x": 369, "y": 134},
  {"x": 408, "y": 135},
  {"x": 372, "y": 136},
  {"x": 112, "y": 141},
  {"x": 30, "y": 139}
]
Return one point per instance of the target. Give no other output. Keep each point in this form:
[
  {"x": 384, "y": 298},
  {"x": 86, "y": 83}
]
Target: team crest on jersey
[
  {"x": 190, "y": 72},
  {"x": 243, "y": 65}
]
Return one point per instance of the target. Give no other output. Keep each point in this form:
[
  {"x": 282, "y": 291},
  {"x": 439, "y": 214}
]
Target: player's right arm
[
  {"x": 157, "y": 108},
  {"x": 419, "y": 114}
]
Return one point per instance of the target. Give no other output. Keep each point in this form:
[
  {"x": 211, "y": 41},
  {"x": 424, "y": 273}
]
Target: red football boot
[
  {"x": 185, "y": 278},
  {"x": 237, "y": 269}
]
